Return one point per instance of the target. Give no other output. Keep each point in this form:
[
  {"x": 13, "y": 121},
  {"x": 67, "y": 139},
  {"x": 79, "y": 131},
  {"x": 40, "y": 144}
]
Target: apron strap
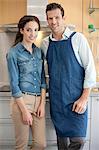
[{"x": 72, "y": 35}]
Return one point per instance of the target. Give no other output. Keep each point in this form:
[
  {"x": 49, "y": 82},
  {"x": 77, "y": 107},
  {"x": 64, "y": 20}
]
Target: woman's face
[{"x": 30, "y": 31}]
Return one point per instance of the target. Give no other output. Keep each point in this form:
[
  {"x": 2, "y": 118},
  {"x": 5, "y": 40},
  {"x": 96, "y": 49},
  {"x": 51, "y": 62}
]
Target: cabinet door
[
  {"x": 6, "y": 125},
  {"x": 95, "y": 124},
  {"x": 12, "y": 10}
]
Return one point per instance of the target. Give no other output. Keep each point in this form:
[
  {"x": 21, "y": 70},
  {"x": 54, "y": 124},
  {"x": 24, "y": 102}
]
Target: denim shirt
[{"x": 26, "y": 70}]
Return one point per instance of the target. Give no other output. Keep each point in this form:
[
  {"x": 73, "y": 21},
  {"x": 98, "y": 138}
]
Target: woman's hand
[
  {"x": 41, "y": 111},
  {"x": 27, "y": 117}
]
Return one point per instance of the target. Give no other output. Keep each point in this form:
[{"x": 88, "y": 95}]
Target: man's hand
[{"x": 80, "y": 105}]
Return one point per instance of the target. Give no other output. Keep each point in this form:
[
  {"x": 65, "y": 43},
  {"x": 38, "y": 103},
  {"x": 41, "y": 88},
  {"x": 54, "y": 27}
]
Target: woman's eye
[
  {"x": 36, "y": 29},
  {"x": 29, "y": 30}
]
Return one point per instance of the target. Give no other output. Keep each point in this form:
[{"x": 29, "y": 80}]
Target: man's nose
[{"x": 54, "y": 20}]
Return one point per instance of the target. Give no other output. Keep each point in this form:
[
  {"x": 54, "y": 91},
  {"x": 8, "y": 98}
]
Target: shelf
[
  {"x": 91, "y": 10},
  {"x": 93, "y": 30}
]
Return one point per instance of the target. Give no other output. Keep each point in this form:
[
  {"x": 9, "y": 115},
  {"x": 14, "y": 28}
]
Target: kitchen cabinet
[
  {"x": 11, "y": 11},
  {"x": 94, "y": 143},
  {"x": 6, "y": 125},
  {"x": 93, "y": 6}
]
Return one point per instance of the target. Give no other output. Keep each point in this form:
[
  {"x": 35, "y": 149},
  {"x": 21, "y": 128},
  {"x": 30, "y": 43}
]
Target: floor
[
  {"x": 11, "y": 148},
  {"x": 51, "y": 148}
]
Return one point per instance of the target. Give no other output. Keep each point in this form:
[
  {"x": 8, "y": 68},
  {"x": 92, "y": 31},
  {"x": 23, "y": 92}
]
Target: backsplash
[{"x": 6, "y": 41}]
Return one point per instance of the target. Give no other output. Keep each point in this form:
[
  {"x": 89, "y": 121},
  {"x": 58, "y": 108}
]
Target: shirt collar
[
  {"x": 65, "y": 35},
  {"x": 21, "y": 48}
]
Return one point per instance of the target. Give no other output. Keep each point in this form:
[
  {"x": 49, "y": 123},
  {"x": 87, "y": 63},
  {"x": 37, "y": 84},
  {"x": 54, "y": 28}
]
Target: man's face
[{"x": 55, "y": 20}]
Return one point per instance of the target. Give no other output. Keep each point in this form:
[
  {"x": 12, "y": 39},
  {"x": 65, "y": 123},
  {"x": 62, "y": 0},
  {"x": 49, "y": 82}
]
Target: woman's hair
[
  {"x": 22, "y": 22},
  {"x": 53, "y": 6}
]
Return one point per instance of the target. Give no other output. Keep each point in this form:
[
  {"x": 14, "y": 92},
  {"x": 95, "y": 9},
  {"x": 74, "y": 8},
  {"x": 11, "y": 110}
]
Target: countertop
[
  {"x": 8, "y": 94},
  {"x": 5, "y": 91}
]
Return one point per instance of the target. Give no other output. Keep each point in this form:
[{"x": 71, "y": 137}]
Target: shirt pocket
[{"x": 24, "y": 65}]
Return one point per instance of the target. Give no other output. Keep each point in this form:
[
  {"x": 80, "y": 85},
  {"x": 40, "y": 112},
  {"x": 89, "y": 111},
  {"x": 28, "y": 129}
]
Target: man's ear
[{"x": 64, "y": 18}]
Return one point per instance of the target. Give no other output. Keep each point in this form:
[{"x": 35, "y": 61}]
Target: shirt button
[
  {"x": 35, "y": 86},
  {"x": 35, "y": 72},
  {"x": 33, "y": 58},
  {"x": 34, "y": 78}
]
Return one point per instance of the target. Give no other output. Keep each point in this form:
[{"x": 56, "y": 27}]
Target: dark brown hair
[
  {"x": 53, "y": 6},
  {"x": 22, "y": 22}
]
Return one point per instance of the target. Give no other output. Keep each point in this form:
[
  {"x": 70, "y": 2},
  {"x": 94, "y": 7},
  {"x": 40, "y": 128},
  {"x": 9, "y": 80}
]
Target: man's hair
[{"x": 53, "y": 6}]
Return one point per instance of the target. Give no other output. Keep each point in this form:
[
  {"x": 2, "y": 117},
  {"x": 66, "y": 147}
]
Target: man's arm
[{"x": 86, "y": 58}]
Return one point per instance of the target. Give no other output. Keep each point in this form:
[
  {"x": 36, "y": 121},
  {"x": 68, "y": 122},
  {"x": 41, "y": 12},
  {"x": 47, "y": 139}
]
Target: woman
[{"x": 27, "y": 80}]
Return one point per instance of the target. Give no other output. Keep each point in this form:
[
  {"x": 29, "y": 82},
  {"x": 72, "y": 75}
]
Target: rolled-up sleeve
[
  {"x": 13, "y": 73},
  {"x": 87, "y": 60}
]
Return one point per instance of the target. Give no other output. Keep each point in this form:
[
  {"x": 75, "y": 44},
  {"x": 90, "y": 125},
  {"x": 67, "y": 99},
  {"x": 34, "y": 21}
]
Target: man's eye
[{"x": 57, "y": 17}]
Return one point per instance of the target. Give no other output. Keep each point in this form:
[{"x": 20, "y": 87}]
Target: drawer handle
[{"x": 97, "y": 99}]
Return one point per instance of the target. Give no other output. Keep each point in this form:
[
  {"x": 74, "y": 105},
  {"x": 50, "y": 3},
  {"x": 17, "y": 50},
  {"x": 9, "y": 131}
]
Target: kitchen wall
[{"x": 6, "y": 41}]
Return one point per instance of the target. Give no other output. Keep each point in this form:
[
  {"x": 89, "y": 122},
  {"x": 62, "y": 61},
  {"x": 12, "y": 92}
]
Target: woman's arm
[
  {"x": 41, "y": 107},
  {"x": 13, "y": 73},
  {"x": 26, "y": 115}
]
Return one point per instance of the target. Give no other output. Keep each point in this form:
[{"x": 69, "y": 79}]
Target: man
[{"x": 71, "y": 76}]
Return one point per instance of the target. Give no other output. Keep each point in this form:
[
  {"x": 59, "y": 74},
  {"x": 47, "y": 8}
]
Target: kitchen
[{"x": 83, "y": 16}]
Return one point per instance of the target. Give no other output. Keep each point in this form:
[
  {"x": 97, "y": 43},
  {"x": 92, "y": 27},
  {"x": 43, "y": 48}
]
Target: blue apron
[{"x": 66, "y": 78}]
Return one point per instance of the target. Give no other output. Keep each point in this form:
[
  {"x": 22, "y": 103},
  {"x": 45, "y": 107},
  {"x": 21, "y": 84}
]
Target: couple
[{"x": 71, "y": 73}]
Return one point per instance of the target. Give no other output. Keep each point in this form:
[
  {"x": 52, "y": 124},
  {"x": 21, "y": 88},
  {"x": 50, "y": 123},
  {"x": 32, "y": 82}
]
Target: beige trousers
[{"x": 22, "y": 130}]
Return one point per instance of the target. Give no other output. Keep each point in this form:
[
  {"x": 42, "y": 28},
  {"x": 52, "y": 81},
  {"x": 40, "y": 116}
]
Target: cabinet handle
[{"x": 97, "y": 99}]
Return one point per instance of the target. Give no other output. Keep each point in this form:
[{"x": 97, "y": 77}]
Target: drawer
[
  {"x": 7, "y": 134},
  {"x": 86, "y": 146},
  {"x": 5, "y": 108}
]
